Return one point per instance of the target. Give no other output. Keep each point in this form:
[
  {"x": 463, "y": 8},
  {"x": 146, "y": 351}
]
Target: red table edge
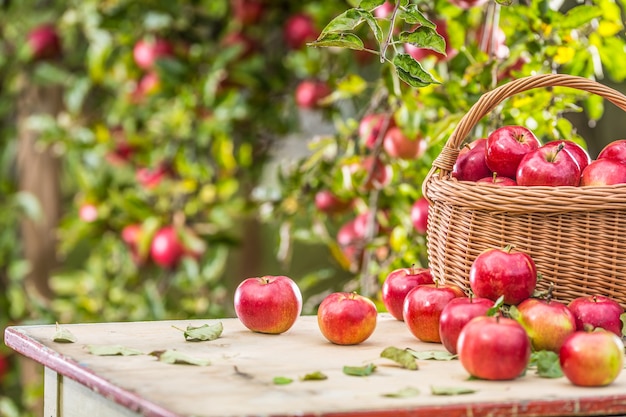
[{"x": 600, "y": 406}]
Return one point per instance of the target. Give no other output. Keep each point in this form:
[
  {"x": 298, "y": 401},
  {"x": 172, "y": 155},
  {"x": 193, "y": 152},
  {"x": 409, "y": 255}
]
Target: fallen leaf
[
  {"x": 435, "y": 355},
  {"x": 282, "y": 380},
  {"x": 206, "y": 332},
  {"x": 546, "y": 363},
  {"x": 113, "y": 350},
  {"x": 175, "y": 357},
  {"x": 63, "y": 335},
  {"x": 314, "y": 376},
  {"x": 359, "y": 370},
  {"x": 403, "y": 393},
  {"x": 444, "y": 390},
  {"x": 400, "y": 356}
]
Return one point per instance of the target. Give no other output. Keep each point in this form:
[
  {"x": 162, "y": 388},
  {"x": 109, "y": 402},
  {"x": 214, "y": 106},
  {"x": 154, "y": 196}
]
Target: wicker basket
[{"x": 575, "y": 235}]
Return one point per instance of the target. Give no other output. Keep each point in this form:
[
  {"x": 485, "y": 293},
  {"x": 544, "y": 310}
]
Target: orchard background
[{"x": 153, "y": 154}]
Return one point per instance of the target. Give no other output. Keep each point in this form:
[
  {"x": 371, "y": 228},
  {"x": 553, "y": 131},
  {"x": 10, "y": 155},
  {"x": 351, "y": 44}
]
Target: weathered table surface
[{"x": 243, "y": 364}]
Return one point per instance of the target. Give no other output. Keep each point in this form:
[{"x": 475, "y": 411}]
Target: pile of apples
[
  {"x": 502, "y": 319},
  {"x": 512, "y": 155}
]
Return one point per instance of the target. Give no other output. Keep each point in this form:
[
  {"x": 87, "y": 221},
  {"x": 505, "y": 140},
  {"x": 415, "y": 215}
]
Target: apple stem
[
  {"x": 556, "y": 152},
  {"x": 549, "y": 292},
  {"x": 495, "y": 176},
  {"x": 508, "y": 248},
  {"x": 587, "y": 327}
]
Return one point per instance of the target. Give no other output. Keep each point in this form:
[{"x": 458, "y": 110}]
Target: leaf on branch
[
  {"x": 175, "y": 357},
  {"x": 341, "y": 40},
  {"x": 546, "y": 363},
  {"x": 425, "y": 37},
  {"x": 401, "y": 356},
  {"x": 206, "y": 332},
  {"x": 370, "y": 4},
  {"x": 281, "y": 380},
  {"x": 346, "y": 21},
  {"x": 578, "y": 16},
  {"x": 314, "y": 376},
  {"x": 403, "y": 393},
  {"x": 434, "y": 355},
  {"x": 113, "y": 350},
  {"x": 411, "y": 72},
  {"x": 443, "y": 390},
  {"x": 359, "y": 370},
  {"x": 413, "y": 16},
  {"x": 374, "y": 26},
  {"x": 63, "y": 335}
]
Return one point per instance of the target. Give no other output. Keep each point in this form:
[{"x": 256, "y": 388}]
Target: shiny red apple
[
  {"x": 575, "y": 150},
  {"x": 615, "y": 150},
  {"x": 598, "y": 311},
  {"x": 496, "y": 179},
  {"x": 397, "y": 285},
  {"x": 328, "y": 202},
  {"x": 44, "y": 42},
  {"x": 604, "y": 171},
  {"x": 268, "y": 304},
  {"x": 456, "y": 314},
  {"x": 552, "y": 166},
  {"x": 346, "y": 318},
  {"x": 397, "y": 145},
  {"x": 167, "y": 248},
  {"x": 547, "y": 322},
  {"x": 471, "y": 165},
  {"x": 419, "y": 215},
  {"x": 506, "y": 146}
]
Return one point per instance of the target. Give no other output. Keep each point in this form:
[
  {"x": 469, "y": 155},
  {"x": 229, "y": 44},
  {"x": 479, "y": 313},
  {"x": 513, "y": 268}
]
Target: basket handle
[{"x": 487, "y": 102}]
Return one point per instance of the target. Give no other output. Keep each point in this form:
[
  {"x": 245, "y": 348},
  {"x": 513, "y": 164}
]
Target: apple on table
[
  {"x": 456, "y": 314},
  {"x": 598, "y": 311},
  {"x": 347, "y": 318},
  {"x": 397, "y": 285},
  {"x": 547, "y": 322}
]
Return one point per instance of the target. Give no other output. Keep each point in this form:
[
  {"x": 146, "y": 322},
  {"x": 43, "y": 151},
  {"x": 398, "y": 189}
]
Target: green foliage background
[{"x": 217, "y": 119}]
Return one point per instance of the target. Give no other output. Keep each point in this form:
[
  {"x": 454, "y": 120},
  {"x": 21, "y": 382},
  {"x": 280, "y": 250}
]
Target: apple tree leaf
[
  {"x": 346, "y": 21},
  {"x": 370, "y": 4},
  {"x": 546, "y": 363},
  {"x": 342, "y": 40},
  {"x": 206, "y": 332},
  {"x": 359, "y": 370},
  {"x": 113, "y": 350},
  {"x": 425, "y": 37},
  {"x": 412, "y": 15},
  {"x": 282, "y": 380},
  {"x": 497, "y": 306},
  {"x": 401, "y": 356},
  {"x": 435, "y": 355},
  {"x": 446, "y": 390},
  {"x": 411, "y": 72},
  {"x": 314, "y": 376},
  {"x": 175, "y": 357},
  {"x": 579, "y": 16},
  {"x": 62, "y": 335},
  {"x": 374, "y": 26},
  {"x": 406, "y": 392}
]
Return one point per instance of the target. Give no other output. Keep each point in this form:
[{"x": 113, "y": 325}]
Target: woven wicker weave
[{"x": 575, "y": 235}]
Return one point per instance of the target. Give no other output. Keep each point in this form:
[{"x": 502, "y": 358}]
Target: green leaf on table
[
  {"x": 401, "y": 356},
  {"x": 206, "y": 332},
  {"x": 411, "y": 72},
  {"x": 445, "y": 390},
  {"x": 370, "y": 4},
  {"x": 359, "y": 370},
  {"x": 314, "y": 376},
  {"x": 175, "y": 357},
  {"x": 62, "y": 335},
  {"x": 406, "y": 392},
  {"x": 113, "y": 350},
  {"x": 282, "y": 380},
  {"x": 413, "y": 16},
  {"x": 546, "y": 363},
  {"x": 425, "y": 37},
  {"x": 342, "y": 40},
  {"x": 433, "y": 355}
]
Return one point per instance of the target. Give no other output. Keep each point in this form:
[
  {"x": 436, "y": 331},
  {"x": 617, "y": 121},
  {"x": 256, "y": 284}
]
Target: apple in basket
[
  {"x": 597, "y": 311},
  {"x": 547, "y": 322},
  {"x": 615, "y": 150},
  {"x": 550, "y": 166},
  {"x": 604, "y": 172},
  {"x": 503, "y": 272},
  {"x": 506, "y": 146},
  {"x": 495, "y": 179},
  {"x": 592, "y": 358},
  {"x": 578, "y": 152},
  {"x": 456, "y": 314},
  {"x": 494, "y": 348},
  {"x": 397, "y": 285},
  {"x": 346, "y": 318},
  {"x": 470, "y": 165}
]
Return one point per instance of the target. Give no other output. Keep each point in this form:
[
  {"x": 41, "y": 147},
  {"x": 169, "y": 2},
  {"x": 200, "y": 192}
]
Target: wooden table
[{"x": 239, "y": 381}]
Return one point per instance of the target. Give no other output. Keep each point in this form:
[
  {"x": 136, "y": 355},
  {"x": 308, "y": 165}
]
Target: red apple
[
  {"x": 88, "y": 213},
  {"x": 597, "y": 311},
  {"x": 309, "y": 93},
  {"x": 347, "y": 318},
  {"x": 550, "y": 166},
  {"x": 615, "y": 150},
  {"x": 503, "y": 272},
  {"x": 247, "y": 12},
  {"x": 397, "y": 145},
  {"x": 468, "y": 4},
  {"x": 421, "y": 53},
  {"x": 147, "y": 51},
  {"x": 299, "y": 29},
  {"x": 151, "y": 178},
  {"x": 328, "y": 202},
  {"x": 506, "y": 146},
  {"x": 397, "y": 285},
  {"x": 131, "y": 235},
  {"x": 470, "y": 165},
  {"x": 269, "y": 304},
  {"x": 351, "y": 236},
  {"x": 495, "y": 179},
  {"x": 494, "y": 348},
  {"x": 148, "y": 85},
  {"x": 44, "y": 42},
  {"x": 419, "y": 215},
  {"x": 547, "y": 322},
  {"x": 575, "y": 150},
  {"x": 372, "y": 173},
  {"x": 384, "y": 10},
  {"x": 456, "y": 314},
  {"x": 592, "y": 359},
  {"x": 604, "y": 172},
  {"x": 167, "y": 247},
  {"x": 423, "y": 306},
  {"x": 371, "y": 126}
]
